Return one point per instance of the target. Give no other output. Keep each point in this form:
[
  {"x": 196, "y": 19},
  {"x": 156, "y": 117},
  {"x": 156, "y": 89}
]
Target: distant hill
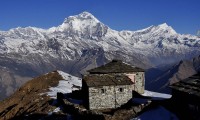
[{"x": 176, "y": 73}]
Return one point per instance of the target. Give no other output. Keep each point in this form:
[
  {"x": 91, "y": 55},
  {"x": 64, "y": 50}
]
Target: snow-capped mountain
[
  {"x": 82, "y": 42},
  {"x": 84, "y": 31}
]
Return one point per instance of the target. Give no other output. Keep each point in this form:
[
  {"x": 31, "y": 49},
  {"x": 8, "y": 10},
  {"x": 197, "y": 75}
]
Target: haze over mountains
[
  {"x": 159, "y": 79},
  {"x": 82, "y": 42},
  {"x": 198, "y": 33}
]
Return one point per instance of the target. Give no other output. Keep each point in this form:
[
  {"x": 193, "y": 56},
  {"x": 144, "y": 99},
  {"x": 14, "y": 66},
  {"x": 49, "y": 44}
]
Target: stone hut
[{"x": 111, "y": 85}]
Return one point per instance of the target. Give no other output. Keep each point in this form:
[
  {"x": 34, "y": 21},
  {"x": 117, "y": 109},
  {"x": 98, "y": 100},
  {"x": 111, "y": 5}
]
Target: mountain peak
[
  {"x": 84, "y": 23},
  {"x": 163, "y": 25},
  {"x": 167, "y": 28},
  {"x": 82, "y": 16},
  {"x": 86, "y": 14}
]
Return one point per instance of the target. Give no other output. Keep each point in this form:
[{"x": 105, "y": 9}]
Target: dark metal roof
[
  {"x": 190, "y": 85},
  {"x": 115, "y": 66},
  {"x": 106, "y": 80}
]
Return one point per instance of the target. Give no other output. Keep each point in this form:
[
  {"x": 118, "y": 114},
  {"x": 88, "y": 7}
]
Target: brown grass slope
[{"x": 29, "y": 98}]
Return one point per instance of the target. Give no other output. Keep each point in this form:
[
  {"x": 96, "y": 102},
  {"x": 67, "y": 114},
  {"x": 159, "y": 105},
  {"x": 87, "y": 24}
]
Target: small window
[
  {"x": 121, "y": 90},
  {"x": 103, "y": 90}
]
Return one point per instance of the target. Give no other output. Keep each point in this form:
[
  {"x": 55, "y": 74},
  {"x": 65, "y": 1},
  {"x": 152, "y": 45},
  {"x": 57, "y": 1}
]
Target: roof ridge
[{"x": 115, "y": 66}]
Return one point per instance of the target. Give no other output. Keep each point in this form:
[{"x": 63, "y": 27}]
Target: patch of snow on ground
[
  {"x": 57, "y": 109},
  {"x": 54, "y": 111},
  {"x": 72, "y": 79},
  {"x": 66, "y": 85},
  {"x": 156, "y": 94}
]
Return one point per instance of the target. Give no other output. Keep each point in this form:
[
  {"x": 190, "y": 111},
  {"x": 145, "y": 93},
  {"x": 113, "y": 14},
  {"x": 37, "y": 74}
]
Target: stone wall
[
  {"x": 138, "y": 78},
  {"x": 123, "y": 94},
  {"x": 139, "y": 82},
  {"x": 99, "y": 100},
  {"x": 109, "y": 96}
]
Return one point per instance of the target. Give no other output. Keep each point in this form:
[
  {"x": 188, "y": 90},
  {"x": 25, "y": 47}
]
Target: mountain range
[{"x": 82, "y": 42}]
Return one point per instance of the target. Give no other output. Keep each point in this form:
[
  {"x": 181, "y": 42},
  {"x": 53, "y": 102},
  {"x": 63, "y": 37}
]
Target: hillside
[
  {"x": 30, "y": 98},
  {"x": 37, "y": 97}
]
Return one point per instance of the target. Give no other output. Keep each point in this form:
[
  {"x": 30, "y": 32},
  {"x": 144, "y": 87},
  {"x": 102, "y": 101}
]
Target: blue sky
[{"x": 182, "y": 15}]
